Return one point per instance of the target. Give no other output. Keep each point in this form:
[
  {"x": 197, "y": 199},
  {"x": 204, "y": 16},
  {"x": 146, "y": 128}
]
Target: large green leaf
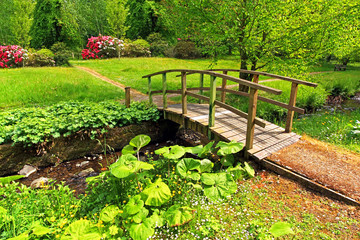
[
  {"x": 173, "y": 152},
  {"x": 249, "y": 170},
  {"x": 237, "y": 172},
  {"x": 227, "y": 160},
  {"x": 141, "y": 215},
  {"x": 206, "y": 150},
  {"x": 177, "y": 215},
  {"x": 206, "y": 165},
  {"x": 23, "y": 236},
  {"x": 134, "y": 205},
  {"x": 156, "y": 193},
  {"x": 194, "y": 150},
  {"x": 127, "y": 165},
  {"x": 156, "y": 219},
  {"x": 109, "y": 213},
  {"x": 229, "y": 148},
  {"x": 128, "y": 149},
  {"x": 185, "y": 168},
  {"x": 141, "y": 231},
  {"x": 140, "y": 141},
  {"x": 6, "y": 180},
  {"x": 218, "y": 186},
  {"x": 280, "y": 229},
  {"x": 81, "y": 229}
]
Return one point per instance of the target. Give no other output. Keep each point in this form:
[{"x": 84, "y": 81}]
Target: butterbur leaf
[
  {"x": 195, "y": 186},
  {"x": 141, "y": 231},
  {"x": 81, "y": 229},
  {"x": 156, "y": 193},
  {"x": 40, "y": 230},
  {"x": 228, "y": 160},
  {"x": 141, "y": 215},
  {"x": 177, "y": 215},
  {"x": 237, "y": 172},
  {"x": 109, "y": 213},
  {"x": 185, "y": 168},
  {"x": 134, "y": 205},
  {"x": 6, "y": 180},
  {"x": 127, "y": 165},
  {"x": 173, "y": 152},
  {"x": 206, "y": 165},
  {"x": 194, "y": 150},
  {"x": 218, "y": 186},
  {"x": 128, "y": 149},
  {"x": 280, "y": 229},
  {"x": 156, "y": 219},
  {"x": 229, "y": 148},
  {"x": 249, "y": 170},
  {"x": 140, "y": 141},
  {"x": 206, "y": 150},
  {"x": 23, "y": 236}
]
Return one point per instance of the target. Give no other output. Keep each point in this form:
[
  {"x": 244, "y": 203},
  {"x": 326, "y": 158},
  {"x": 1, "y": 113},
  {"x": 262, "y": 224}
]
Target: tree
[
  {"x": 116, "y": 17},
  {"x": 6, "y": 9},
  {"x": 262, "y": 31},
  {"x": 54, "y": 21},
  {"x": 21, "y": 20}
]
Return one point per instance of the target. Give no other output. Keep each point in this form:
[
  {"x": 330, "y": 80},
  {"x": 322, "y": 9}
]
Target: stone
[
  {"x": 27, "y": 170},
  {"x": 39, "y": 183},
  {"x": 86, "y": 172},
  {"x": 82, "y": 164}
]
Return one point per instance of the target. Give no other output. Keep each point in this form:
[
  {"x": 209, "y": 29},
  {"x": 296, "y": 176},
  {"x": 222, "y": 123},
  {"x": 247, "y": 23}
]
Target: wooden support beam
[
  {"x": 253, "y": 97},
  {"x": 223, "y": 87},
  {"x": 150, "y": 93},
  {"x": 201, "y": 86},
  {"x": 164, "y": 93},
  {"x": 183, "y": 93},
  {"x": 127, "y": 96},
  {"x": 292, "y": 102},
  {"x": 212, "y": 104}
]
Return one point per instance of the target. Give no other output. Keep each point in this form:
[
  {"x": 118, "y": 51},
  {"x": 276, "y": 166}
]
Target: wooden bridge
[{"x": 220, "y": 121}]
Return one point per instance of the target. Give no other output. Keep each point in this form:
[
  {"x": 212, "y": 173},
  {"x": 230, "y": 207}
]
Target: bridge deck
[{"x": 229, "y": 126}]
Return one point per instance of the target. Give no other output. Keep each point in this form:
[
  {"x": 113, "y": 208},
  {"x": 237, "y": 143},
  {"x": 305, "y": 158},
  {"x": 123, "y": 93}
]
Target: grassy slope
[{"x": 43, "y": 86}]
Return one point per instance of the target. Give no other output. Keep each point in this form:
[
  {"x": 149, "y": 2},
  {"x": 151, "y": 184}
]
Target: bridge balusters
[
  {"x": 223, "y": 87},
  {"x": 150, "y": 93},
  {"x": 253, "y": 97},
  {"x": 201, "y": 85},
  {"x": 292, "y": 102},
  {"x": 183, "y": 93},
  {"x": 164, "y": 91},
  {"x": 212, "y": 103}
]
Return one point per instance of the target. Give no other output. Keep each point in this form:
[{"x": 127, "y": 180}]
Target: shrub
[
  {"x": 42, "y": 58},
  {"x": 186, "y": 50},
  {"x": 12, "y": 56},
  {"x": 158, "y": 44},
  {"x": 102, "y": 47},
  {"x": 137, "y": 48},
  {"x": 61, "y": 54}
]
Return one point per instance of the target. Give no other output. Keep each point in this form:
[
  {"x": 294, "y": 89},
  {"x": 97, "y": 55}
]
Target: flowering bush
[
  {"x": 102, "y": 47},
  {"x": 12, "y": 56}
]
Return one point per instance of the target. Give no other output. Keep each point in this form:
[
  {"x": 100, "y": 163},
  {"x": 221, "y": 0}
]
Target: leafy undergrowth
[
  {"x": 176, "y": 198},
  {"x": 35, "y": 125}
]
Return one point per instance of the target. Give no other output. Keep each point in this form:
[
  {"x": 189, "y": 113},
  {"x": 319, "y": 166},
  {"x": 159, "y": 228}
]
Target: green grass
[
  {"x": 48, "y": 85},
  {"x": 130, "y": 70},
  {"x": 331, "y": 127}
]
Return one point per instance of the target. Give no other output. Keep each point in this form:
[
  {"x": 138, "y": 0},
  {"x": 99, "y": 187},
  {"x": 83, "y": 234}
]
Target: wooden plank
[
  {"x": 292, "y": 102},
  {"x": 223, "y": 87},
  {"x": 164, "y": 93},
  {"x": 183, "y": 93},
  {"x": 127, "y": 96},
  {"x": 150, "y": 93}
]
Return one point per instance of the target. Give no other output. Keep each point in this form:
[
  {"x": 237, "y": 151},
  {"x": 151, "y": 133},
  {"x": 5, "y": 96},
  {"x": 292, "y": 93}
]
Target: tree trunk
[{"x": 244, "y": 76}]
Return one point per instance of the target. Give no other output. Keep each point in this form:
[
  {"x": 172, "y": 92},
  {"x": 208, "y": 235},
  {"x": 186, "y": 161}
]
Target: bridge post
[
  {"x": 201, "y": 85},
  {"x": 212, "y": 104},
  {"x": 183, "y": 93},
  {"x": 253, "y": 97},
  {"x": 164, "y": 91},
  {"x": 150, "y": 94},
  {"x": 223, "y": 87},
  {"x": 127, "y": 96},
  {"x": 292, "y": 102}
]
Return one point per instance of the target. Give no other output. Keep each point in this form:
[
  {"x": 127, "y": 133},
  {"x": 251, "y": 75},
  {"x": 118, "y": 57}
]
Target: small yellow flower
[{"x": 62, "y": 215}]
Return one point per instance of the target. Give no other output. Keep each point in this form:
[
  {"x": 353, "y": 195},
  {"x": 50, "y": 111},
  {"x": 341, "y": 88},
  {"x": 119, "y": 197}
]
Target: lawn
[{"x": 48, "y": 85}]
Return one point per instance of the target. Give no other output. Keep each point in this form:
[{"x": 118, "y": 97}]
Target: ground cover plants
[
  {"x": 174, "y": 195},
  {"x": 33, "y": 125},
  {"x": 45, "y": 86}
]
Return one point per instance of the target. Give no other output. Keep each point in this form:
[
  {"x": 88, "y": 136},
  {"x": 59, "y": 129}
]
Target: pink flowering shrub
[
  {"x": 102, "y": 47},
  {"x": 12, "y": 56}
]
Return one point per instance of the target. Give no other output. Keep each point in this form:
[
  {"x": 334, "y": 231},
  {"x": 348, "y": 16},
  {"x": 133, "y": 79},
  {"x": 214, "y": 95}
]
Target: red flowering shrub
[
  {"x": 12, "y": 56},
  {"x": 102, "y": 47}
]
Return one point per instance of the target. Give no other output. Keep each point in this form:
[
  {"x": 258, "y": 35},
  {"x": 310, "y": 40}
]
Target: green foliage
[
  {"x": 218, "y": 186},
  {"x": 36, "y": 125},
  {"x": 116, "y": 16},
  {"x": 156, "y": 194},
  {"x": 81, "y": 229},
  {"x": 137, "y": 48},
  {"x": 158, "y": 45},
  {"x": 177, "y": 215},
  {"x": 186, "y": 50},
  {"x": 42, "y": 58},
  {"x": 280, "y": 229},
  {"x": 6, "y": 180},
  {"x": 62, "y": 54}
]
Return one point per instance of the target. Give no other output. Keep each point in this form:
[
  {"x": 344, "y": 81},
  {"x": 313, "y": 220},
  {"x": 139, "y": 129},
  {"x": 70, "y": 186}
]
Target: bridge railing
[{"x": 252, "y": 95}]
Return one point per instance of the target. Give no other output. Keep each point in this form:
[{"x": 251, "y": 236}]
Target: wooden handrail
[
  {"x": 219, "y": 75},
  {"x": 310, "y": 84}
]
